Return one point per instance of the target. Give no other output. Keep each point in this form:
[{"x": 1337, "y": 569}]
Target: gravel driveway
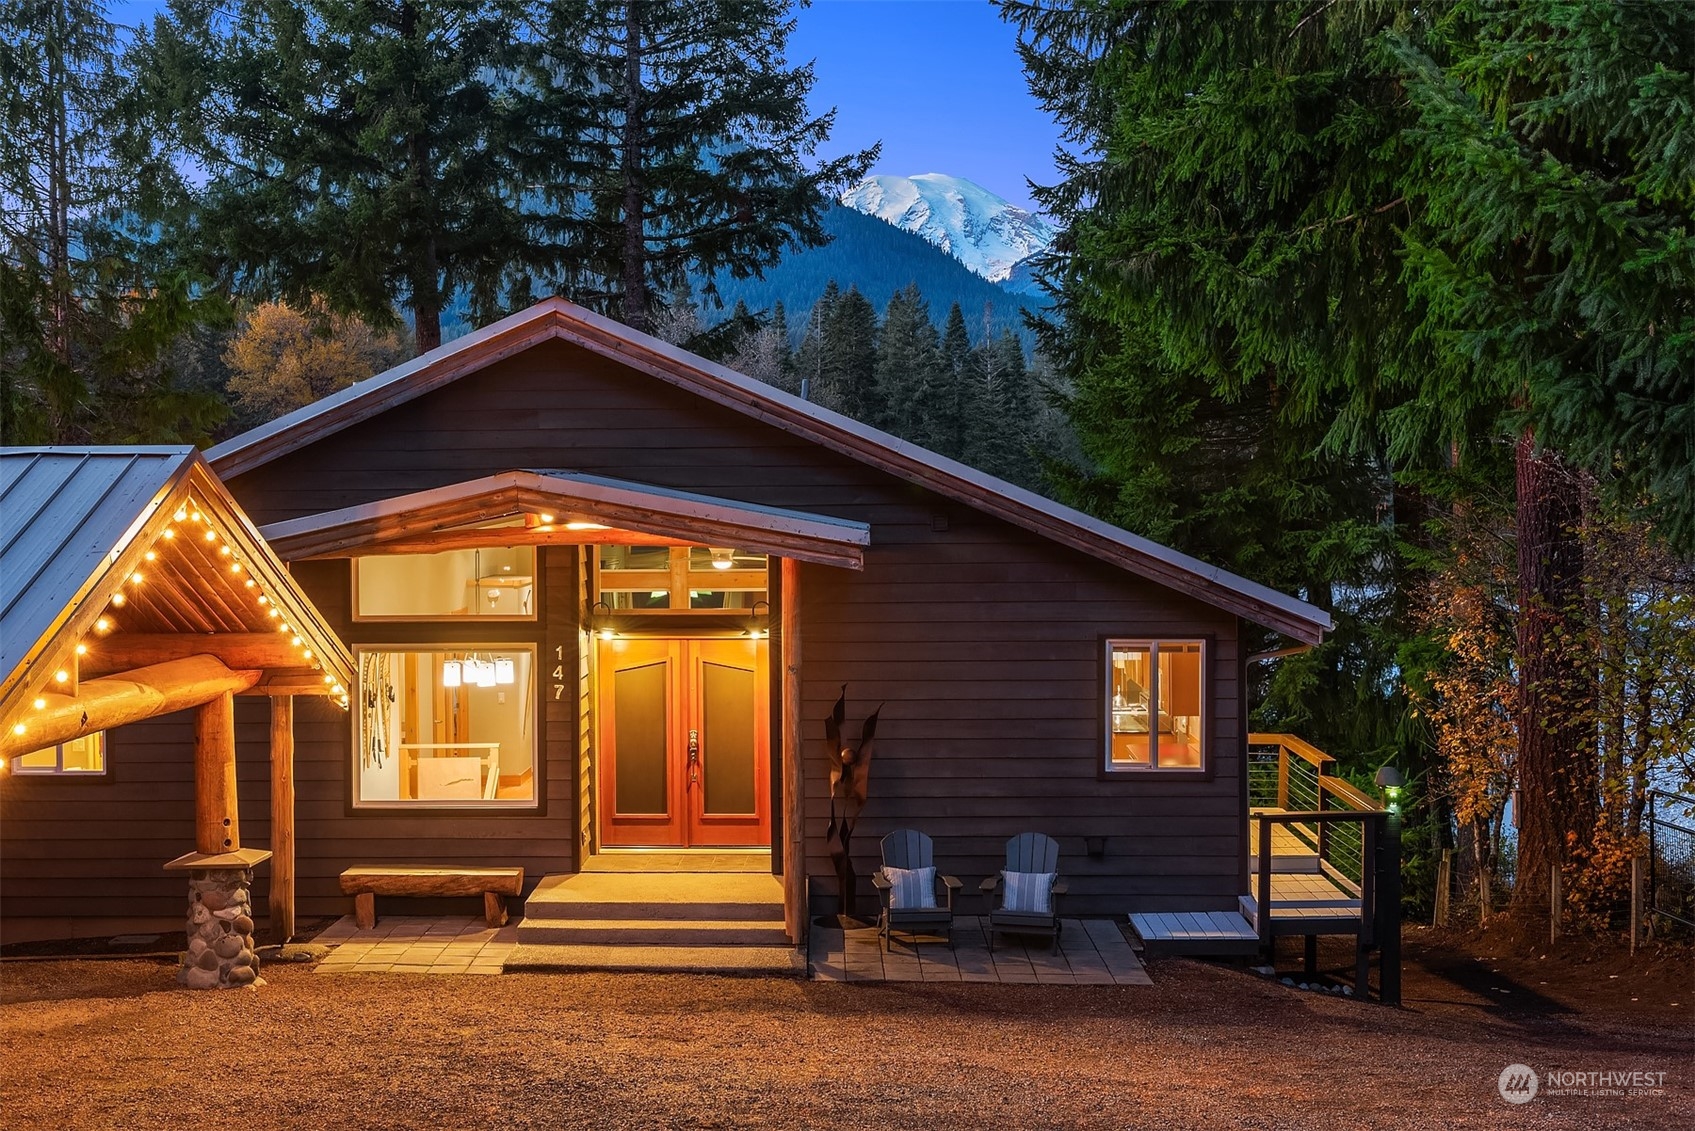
[{"x": 107, "y": 1045}]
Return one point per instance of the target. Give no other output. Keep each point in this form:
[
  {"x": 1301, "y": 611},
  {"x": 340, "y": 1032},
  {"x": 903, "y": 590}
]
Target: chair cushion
[
  {"x": 1029, "y": 891},
  {"x": 911, "y": 887}
]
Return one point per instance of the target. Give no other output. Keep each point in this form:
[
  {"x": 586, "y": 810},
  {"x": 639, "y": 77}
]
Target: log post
[
  {"x": 217, "y": 826},
  {"x": 794, "y": 776},
  {"x": 282, "y": 818}
]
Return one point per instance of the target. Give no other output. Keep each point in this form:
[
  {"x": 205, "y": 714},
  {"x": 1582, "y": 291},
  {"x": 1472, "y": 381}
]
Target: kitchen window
[{"x": 1155, "y": 705}]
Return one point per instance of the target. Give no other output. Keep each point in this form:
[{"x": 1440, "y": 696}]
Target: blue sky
[{"x": 936, "y": 81}]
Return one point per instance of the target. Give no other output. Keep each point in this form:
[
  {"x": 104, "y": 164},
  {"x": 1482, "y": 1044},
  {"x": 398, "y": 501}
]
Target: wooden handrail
[
  {"x": 1294, "y": 745},
  {"x": 1345, "y": 790},
  {"x": 1316, "y": 817}
]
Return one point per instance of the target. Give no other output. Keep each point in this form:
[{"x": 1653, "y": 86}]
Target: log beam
[
  {"x": 794, "y": 778},
  {"x": 282, "y": 819},
  {"x": 217, "y": 825},
  {"x": 113, "y": 701},
  {"x": 240, "y": 650}
]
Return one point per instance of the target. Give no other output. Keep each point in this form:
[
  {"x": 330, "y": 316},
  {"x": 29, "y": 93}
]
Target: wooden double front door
[{"x": 684, "y": 743}]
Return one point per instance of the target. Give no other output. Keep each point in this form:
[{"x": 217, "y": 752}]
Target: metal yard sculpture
[{"x": 850, "y": 773}]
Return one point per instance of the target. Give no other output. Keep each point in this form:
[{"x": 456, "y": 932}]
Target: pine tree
[
  {"x": 696, "y": 131},
  {"x": 809, "y": 358},
  {"x": 848, "y": 367},
  {"x": 356, "y": 153},
  {"x": 1000, "y": 412},
  {"x": 908, "y": 377},
  {"x": 959, "y": 379},
  {"x": 95, "y": 344}
]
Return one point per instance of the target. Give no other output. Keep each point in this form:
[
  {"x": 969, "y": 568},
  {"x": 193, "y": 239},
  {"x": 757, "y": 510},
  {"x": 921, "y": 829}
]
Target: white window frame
[
  {"x": 1152, "y": 645},
  {"x": 405, "y": 805},
  {"x": 57, "y": 770}
]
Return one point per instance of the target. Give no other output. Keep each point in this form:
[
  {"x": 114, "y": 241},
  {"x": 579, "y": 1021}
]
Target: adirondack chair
[
  {"x": 908, "y": 848},
  {"x": 1026, "y": 852}
]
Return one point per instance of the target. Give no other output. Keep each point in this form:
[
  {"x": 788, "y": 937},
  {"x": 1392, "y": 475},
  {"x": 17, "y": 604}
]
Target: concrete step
[
  {"x": 757, "y": 961},
  {"x": 666, "y": 897},
  {"x": 627, "y": 860},
  {"x": 651, "y": 932}
]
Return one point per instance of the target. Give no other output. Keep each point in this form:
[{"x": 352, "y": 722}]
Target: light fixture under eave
[
  {"x": 760, "y": 626},
  {"x": 722, "y": 557},
  {"x": 585, "y": 526}
]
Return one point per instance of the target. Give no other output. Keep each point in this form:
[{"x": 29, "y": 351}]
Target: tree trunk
[
  {"x": 1556, "y": 757},
  {"x": 426, "y": 281},
  {"x": 635, "y": 226}
]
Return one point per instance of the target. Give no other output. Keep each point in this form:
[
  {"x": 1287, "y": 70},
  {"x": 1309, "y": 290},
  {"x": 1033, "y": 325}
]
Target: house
[{"x": 601, "y": 595}]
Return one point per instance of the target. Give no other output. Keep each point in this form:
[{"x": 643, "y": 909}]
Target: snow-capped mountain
[{"x": 987, "y": 233}]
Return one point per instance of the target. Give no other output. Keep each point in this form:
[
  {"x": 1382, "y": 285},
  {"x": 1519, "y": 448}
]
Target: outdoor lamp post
[{"x": 1391, "y": 781}]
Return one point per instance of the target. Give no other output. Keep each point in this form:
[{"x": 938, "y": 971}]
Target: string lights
[{"x": 105, "y": 624}]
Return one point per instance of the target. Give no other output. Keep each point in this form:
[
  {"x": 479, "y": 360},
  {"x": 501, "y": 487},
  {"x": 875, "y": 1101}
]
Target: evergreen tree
[
  {"x": 848, "y": 366},
  {"x": 959, "y": 378},
  {"x": 809, "y": 358},
  {"x": 699, "y": 139},
  {"x": 359, "y": 153},
  {"x": 1000, "y": 412},
  {"x": 908, "y": 377},
  {"x": 94, "y": 345}
]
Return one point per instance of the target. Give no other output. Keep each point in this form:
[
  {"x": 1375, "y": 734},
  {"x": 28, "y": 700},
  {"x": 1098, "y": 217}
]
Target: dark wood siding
[{"x": 982, "y": 639}]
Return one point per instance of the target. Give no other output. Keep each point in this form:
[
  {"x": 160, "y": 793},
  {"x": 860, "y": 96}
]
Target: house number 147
[{"x": 559, "y": 672}]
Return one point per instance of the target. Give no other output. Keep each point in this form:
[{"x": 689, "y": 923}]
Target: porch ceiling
[
  {"x": 113, "y": 560},
  {"x": 565, "y": 508}
]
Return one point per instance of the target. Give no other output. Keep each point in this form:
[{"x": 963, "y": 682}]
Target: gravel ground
[{"x": 107, "y": 1045}]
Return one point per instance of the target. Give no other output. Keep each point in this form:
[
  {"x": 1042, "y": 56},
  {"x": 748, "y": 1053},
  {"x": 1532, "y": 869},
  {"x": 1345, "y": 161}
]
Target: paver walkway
[
  {"x": 405, "y": 944},
  {"x": 1091, "y": 952}
]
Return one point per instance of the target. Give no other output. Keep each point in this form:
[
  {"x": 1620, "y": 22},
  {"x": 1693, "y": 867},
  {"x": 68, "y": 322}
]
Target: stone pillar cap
[{"x": 198, "y": 861}]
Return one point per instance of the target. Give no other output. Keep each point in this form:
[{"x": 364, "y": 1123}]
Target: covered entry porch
[{"x": 664, "y": 631}]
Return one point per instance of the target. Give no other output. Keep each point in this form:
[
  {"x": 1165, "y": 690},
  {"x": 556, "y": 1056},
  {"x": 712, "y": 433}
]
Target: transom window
[
  {"x": 659, "y": 579},
  {"x": 446, "y": 728},
  {"x": 1155, "y": 705},
  {"x": 80, "y": 757},
  {"x": 490, "y": 583}
]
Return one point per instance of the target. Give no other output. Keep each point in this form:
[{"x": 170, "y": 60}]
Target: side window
[
  {"x": 79, "y": 757},
  {"x": 1155, "y": 705}
]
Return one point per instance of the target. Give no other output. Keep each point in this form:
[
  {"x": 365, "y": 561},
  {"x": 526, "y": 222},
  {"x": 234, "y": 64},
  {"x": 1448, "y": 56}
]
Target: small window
[
  {"x": 672, "y": 579},
  {"x": 446, "y": 728},
  {"x": 492, "y": 583},
  {"x": 80, "y": 756},
  {"x": 1155, "y": 705}
]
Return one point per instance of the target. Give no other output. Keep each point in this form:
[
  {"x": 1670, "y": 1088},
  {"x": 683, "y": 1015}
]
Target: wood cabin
[{"x": 601, "y": 594}]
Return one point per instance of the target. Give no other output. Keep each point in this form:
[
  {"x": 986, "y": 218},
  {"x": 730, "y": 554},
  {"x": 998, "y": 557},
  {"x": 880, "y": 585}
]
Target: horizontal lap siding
[{"x": 981, "y": 638}]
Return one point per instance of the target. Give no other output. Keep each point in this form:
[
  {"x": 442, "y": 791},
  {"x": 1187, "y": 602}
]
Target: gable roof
[
  {"x": 76, "y": 528},
  {"x": 573, "y": 497},
  {"x": 555, "y": 319}
]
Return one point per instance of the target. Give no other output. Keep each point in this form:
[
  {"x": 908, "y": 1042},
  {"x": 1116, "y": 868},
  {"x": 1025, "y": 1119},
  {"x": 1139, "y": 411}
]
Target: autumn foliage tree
[{"x": 282, "y": 358}]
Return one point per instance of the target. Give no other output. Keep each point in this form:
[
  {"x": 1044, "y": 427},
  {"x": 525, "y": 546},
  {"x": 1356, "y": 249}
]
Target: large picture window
[
  {"x": 1155, "y": 705},
  {"x": 446, "y": 728},
  {"x": 492, "y": 583}
]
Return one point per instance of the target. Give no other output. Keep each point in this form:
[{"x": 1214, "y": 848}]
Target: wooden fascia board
[
  {"x": 416, "y": 518},
  {"x": 269, "y": 570},
  {"x": 556, "y": 319},
  {"x": 888, "y": 458},
  {"x": 56, "y": 646}
]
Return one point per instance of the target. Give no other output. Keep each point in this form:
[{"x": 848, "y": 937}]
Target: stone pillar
[{"x": 220, "y": 952}]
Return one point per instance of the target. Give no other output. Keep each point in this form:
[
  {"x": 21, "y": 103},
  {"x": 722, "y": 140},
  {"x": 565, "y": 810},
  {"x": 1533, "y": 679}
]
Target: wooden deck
[
  {"x": 1196, "y": 932},
  {"x": 1301, "y": 904},
  {"x": 1091, "y": 952}
]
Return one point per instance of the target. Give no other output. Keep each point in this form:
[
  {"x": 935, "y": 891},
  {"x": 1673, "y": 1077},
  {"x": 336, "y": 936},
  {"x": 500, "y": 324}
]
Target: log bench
[{"x": 364, "y": 882}]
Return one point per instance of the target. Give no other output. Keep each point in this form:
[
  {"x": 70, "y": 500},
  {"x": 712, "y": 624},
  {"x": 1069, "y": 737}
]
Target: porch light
[
  {"x": 600, "y": 620},
  {"x": 584, "y": 526},
  {"x": 760, "y": 626},
  {"x": 722, "y": 558},
  {"x": 450, "y": 674}
]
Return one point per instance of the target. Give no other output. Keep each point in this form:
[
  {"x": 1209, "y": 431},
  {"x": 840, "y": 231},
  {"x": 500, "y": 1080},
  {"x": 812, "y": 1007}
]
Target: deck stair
[{"x": 722, "y": 921}]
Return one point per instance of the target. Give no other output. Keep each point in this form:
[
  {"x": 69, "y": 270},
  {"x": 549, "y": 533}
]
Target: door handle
[{"x": 694, "y": 756}]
